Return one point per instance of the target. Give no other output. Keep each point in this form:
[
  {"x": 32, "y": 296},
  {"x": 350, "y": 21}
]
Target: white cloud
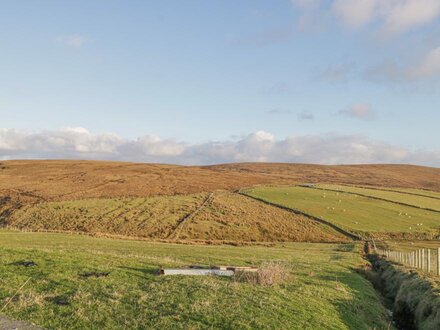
[
  {"x": 427, "y": 67},
  {"x": 79, "y": 143},
  {"x": 407, "y": 14},
  {"x": 359, "y": 111},
  {"x": 392, "y": 16},
  {"x": 356, "y": 13},
  {"x": 74, "y": 40}
]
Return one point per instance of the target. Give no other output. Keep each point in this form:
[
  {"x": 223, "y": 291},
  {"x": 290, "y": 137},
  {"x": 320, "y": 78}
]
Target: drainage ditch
[{"x": 413, "y": 300}]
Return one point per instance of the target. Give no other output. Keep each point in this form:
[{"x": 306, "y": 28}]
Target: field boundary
[
  {"x": 372, "y": 197},
  {"x": 391, "y": 190},
  {"x": 312, "y": 217},
  {"x": 178, "y": 229}
]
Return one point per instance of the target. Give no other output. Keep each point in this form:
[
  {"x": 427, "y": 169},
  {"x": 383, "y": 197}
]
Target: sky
[{"x": 202, "y": 82}]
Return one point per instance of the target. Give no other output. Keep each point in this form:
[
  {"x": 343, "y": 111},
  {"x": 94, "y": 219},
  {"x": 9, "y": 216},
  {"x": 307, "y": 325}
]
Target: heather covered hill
[{"x": 70, "y": 180}]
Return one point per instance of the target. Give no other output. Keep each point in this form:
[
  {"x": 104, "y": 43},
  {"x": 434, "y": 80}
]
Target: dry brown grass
[
  {"x": 233, "y": 217},
  {"x": 69, "y": 180},
  {"x": 270, "y": 273},
  {"x": 226, "y": 217}
]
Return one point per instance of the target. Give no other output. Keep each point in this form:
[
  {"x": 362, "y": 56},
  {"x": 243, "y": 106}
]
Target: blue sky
[{"x": 204, "y": 75}]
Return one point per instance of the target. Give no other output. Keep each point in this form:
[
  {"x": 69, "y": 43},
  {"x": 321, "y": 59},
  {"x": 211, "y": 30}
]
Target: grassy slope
[
  {"x": 324, "y": 293},
  {"x": 352, "y": 212},
  {"x": 154, "y": 217},
  {"x": 226, "y": 217},
  {"x": 416, "y": 200},
  {"x": 234, "y": 217}
]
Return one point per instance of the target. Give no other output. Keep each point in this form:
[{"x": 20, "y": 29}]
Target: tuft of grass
[{"x": 268, "y": 274}]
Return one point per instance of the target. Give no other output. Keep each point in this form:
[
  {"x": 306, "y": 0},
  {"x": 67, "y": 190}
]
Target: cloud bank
[{"x": 261, "y": 146}]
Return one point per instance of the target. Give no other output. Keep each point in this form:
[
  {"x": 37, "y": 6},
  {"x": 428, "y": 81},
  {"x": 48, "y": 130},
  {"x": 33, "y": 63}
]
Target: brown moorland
[{"x": 53, "y": 180}]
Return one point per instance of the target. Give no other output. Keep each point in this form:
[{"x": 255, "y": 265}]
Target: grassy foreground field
[
  {"x": 352, "y": 212},
  {"x": 323, "y": 292}
]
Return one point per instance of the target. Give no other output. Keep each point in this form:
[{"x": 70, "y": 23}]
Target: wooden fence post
[
  {"x": 416, "y": 256},
  {"x": 428, "y": 260},
  {"x": 438, "y": 261},
  {"x": 423, "y": 259}
]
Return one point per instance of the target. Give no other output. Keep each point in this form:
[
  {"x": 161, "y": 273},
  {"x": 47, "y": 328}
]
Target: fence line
[{"x": 420, "y": 259}]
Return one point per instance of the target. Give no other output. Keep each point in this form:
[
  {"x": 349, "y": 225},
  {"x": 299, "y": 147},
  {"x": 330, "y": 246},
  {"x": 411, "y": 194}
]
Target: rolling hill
[
  {"x": 170, "y": 202},
  {"x": 70, "y": 180}
]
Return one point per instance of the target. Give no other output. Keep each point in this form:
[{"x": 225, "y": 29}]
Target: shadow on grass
[{"x": 142, "y": 272}]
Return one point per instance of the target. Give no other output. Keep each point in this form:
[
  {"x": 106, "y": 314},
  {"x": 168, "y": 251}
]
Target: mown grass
[
  {"x": 323, "y": 291},
  {"x": 352, "y": 212},
  {"x": 415, "y": 200},
  {"x": 225, "y": 216}
]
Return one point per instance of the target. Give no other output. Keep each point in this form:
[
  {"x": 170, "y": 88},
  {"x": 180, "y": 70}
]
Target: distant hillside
[{"x": 70, "y": 180}]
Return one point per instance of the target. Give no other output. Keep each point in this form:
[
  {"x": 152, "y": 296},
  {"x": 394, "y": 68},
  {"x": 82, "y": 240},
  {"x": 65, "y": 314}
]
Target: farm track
[
  {"x": 311, "y": 217},
  {"x": 373, "y": 197},
  {"x": 178, "y": 229}
]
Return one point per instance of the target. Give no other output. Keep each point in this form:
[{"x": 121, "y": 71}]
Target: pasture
[
  {"x": 399, "y": 197},
  {"x": 80, "y": 282},
  {"x": 352, "y": 212}
]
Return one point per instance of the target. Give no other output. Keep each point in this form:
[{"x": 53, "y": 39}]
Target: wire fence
[{"x": 424, "y": 259}]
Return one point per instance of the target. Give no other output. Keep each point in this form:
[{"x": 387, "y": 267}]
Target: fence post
[
  {"x": 428, "y": 260},
  {"x": 416, "y": 256},
  {"x": 423, "y": 259},
  {"x": 438, "y": 261}
]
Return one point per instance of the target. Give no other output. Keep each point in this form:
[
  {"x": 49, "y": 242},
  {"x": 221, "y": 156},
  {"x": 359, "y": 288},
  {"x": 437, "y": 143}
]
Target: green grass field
[
  {"x": 352, "y": 212},
  {"x": 323, "y": 292},
  {"x": 422, "y": 192},
  {"x": 416, "y": 200}
]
